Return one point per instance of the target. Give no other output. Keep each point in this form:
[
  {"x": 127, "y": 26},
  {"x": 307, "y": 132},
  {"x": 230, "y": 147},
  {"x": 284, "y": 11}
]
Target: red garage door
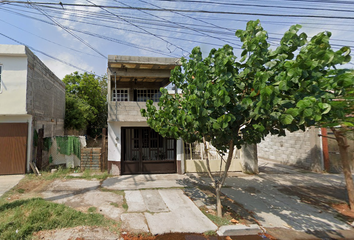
[{"x": 13, "y": 148}]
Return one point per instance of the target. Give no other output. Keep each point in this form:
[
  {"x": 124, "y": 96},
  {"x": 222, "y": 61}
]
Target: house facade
[
  {"x": 133, "y": 147},
  {"x": 31, "y": 98}
]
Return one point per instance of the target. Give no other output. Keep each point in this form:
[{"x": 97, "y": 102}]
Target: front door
[{"x": 145, "y": 151}]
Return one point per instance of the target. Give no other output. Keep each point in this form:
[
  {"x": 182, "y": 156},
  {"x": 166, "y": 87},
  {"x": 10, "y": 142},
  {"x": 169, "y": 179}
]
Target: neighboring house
[
  {"x": 133, "y": 147},
  {"x": 31, "y": 97}
]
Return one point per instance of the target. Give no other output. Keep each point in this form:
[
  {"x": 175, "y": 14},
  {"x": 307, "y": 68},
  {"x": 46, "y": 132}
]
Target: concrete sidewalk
[
  {"x": 147, "y": 181},
  {"x": 9, "y": 181},
  {"x": 275, "y": 198}
]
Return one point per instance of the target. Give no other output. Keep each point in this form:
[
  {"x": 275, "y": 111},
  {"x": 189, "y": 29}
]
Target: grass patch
[
  {"x": 92, "y": 209},
  {"x": 118, "y": 192},
  {"x": 20, "y": 190},
  {"x": 210, "y": 233},
  {"x": 60, "y": 173},
  {"x": 21, "y": 218},
  {"x": 125, "y": 205},
  {"x": 219, "y": 221},
  {"x": 89, "y": 175},
  {"x": 114, "y": 204}
]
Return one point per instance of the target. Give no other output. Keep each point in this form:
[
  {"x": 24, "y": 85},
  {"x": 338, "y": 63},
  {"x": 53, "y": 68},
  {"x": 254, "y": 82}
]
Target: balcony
[{"x": 126, "y": 111}]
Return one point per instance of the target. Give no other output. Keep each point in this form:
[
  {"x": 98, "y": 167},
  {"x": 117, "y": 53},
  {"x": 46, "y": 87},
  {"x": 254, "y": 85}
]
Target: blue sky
[{"x": 84, "y": 36}]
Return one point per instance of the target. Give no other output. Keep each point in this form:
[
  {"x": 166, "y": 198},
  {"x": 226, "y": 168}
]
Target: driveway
[
  {"x": 8, "y": 181},
  {"x": 149, "y": 203}
]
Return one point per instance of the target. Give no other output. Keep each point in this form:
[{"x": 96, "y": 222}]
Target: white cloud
[{"x": 61, "y": 69}]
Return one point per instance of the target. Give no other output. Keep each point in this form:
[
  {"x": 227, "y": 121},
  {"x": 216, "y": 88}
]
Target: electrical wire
[
  {"x": 66, "y": 30},
  {"x": 140, "y": 28},
  {"x": 47, "y": 55}
]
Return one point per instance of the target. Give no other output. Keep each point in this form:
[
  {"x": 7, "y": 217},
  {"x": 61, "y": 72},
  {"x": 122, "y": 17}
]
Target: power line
[
  {"x": 58, "y": 44},
  {"x": 140, "y": 28},
  {"x": 45, "y": 54},
  {"x": 177, "y": 23},
  {"x": 258, "y": 5},
  {"x": 66, "y": 30},
  {"x": 102, "y": 37},
  {"x": 188, "y": 11}
]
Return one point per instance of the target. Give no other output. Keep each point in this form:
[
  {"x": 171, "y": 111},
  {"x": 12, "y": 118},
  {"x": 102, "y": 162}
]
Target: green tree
[
  {"x": 86, "y": 104},
  {"x": 269, "y": 90}
]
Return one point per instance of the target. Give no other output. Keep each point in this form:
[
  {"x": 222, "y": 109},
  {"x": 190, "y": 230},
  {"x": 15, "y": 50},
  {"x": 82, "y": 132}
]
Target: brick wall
[
  {"x": 298, "y": 148},
  {"x": 45, "y": 98}
]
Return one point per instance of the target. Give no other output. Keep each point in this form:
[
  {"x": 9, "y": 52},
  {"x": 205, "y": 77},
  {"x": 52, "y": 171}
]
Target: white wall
[
  {"x": 13, "y": 80},
  {"x": 22, "y": 119},
  {"x": 114, "y": 131}
]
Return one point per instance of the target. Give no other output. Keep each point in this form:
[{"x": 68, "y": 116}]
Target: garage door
[{"x": 13, "y": 148}]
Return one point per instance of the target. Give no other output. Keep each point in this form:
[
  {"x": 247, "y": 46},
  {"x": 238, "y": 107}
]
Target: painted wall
[
  {"x": 13, "y": 80},
  {"x": 30, "y": 92},
  {"x": 114, "y": 137}
]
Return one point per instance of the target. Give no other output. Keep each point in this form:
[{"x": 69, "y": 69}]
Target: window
[
  {"x": 142, "y": 95},
  {"x": 120, "y": 95},
  {"x": 0, "y": 79}
]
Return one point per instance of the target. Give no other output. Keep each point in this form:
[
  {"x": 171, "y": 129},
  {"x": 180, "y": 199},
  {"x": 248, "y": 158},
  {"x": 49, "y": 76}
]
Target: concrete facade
[
  {"x": 303, "y": 149},
  {"x": 30, "y": 93},
  {"x": 130, "y": 74}
]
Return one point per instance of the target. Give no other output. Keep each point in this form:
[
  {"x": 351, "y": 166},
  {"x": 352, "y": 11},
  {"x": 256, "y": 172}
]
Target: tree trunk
[
  {"x": 218, "y": 201},
  {"x": 343, "y": 150},
  {"x": 218, "y": 183},
  {"x": 221, "y": 182}
]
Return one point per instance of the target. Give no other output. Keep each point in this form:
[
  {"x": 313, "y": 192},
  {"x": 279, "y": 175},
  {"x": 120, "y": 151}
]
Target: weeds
[
  {"x": 92, "y": 209},
  {"x": 114, "y": 204},
  {"x": 21, "y": 218},
  {"x": 219, "y": 221}
]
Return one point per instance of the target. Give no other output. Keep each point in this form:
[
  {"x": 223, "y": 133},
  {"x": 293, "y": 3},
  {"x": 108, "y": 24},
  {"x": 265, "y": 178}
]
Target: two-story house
[
  {"x": 133, "y": 147},
  {"x": 31, "y": 97}
]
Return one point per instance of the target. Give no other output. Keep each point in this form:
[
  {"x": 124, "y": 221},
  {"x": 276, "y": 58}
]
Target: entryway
[{"x": 145, "y": 151}]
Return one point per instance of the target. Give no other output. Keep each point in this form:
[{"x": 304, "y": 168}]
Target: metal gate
[
  {"x": 13, "y": 148},
  {"x": 145, "y": 151}
]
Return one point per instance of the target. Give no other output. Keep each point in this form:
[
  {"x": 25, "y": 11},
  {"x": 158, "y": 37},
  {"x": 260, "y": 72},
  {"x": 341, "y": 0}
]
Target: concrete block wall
[
  {"x": 45, "y": 98},
  {"x": 126, "y": 111},
  {"x": 299, "y": 148}
]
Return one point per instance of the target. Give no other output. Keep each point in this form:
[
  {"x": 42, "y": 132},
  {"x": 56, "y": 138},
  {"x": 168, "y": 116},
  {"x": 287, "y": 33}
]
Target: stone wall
[
  {"x": 45, "y": 98},
  {"x": 298, "y": 148}
]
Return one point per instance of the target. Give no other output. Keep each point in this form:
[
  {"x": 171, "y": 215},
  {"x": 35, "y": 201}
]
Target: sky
[{"x": 78, "y": 35}]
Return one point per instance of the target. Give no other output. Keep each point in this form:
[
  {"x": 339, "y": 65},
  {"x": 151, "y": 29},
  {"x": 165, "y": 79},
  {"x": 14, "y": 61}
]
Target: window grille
[
  {"x": 145, "y": 94},
  {"x": 120, "y": 95}
]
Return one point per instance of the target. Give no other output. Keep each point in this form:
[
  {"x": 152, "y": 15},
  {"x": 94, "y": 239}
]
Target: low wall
[
  {"x": 200, "y": 166},
  {"x": 299, "y": 148}
]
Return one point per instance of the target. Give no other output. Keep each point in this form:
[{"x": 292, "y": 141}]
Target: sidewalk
[
  {"x": 284, "y": 199},
  {"x": 8, "y": 181}
]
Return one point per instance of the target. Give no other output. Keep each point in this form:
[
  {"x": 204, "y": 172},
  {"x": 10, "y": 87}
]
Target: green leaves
[
  {"x": 266, "y": 91},
  {"x": 90, "y": 94},
  {"x": 286, "y": 119}
]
